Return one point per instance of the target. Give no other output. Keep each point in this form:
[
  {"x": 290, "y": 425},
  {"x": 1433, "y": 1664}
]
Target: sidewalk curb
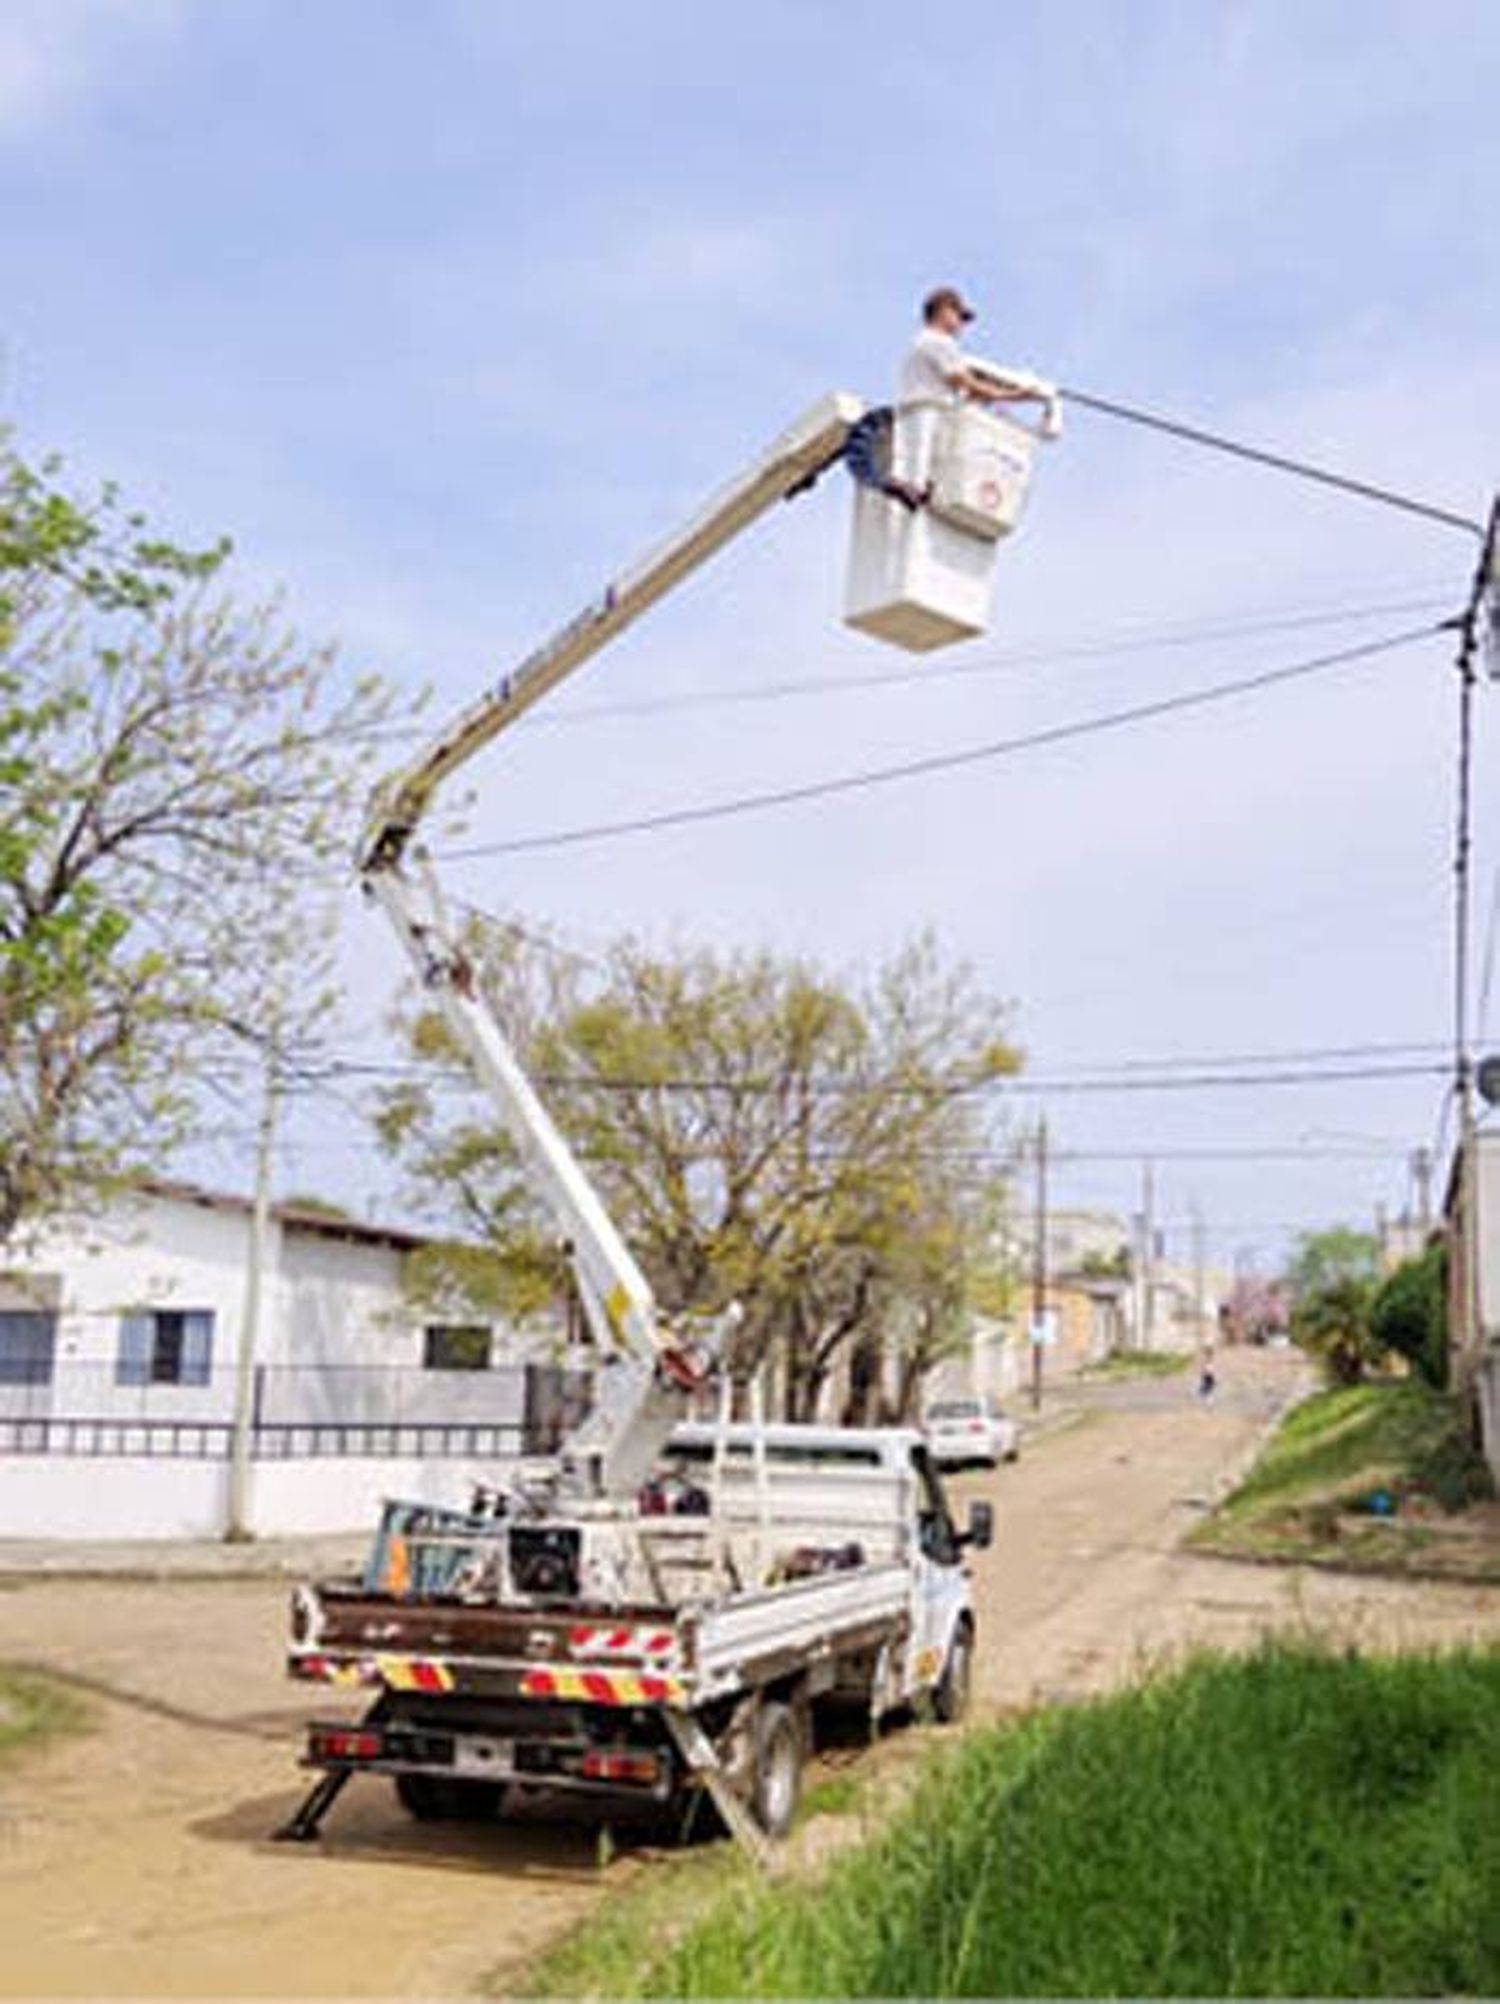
[
  {"x": 1229, "y": 1479},
  {"x": 195, "y": 1562}
]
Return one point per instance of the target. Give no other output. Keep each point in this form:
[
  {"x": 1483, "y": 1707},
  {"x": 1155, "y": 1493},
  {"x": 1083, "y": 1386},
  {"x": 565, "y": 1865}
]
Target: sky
[{"x": 446, "y": 313}]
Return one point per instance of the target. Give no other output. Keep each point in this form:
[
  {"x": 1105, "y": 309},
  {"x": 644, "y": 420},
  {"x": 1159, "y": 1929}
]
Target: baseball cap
[{"x": 946, "y": 295}]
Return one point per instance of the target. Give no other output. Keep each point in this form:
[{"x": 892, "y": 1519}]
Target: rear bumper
[
  {"x": 640, "y": 1768},
  {"x": 964, "y": 1454}
]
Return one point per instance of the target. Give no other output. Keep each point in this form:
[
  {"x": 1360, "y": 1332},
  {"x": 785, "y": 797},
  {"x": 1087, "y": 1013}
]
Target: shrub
[{"x": 1409, "y": 1314}]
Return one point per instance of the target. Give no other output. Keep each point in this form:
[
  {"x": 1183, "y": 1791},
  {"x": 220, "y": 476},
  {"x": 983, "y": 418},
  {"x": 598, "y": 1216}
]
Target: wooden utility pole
[
  {"x": 1039, "y": 1268},
  {"x": 1478, "y": 613}
]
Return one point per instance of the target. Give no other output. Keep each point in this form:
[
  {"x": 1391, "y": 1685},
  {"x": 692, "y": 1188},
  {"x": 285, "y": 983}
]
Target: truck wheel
[
  {"x": 950, "y": 1694},
  {"x": 776, "y": 1786},
  {"x": 435, "y": 1798}
]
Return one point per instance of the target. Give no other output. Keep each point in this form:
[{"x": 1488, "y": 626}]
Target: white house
[
  {"x": 119, "y": 1347},
  {"x": 1476, "y": 1370}
]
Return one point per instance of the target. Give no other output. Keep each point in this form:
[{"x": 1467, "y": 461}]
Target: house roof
[{"x": 292, "y": 1217}]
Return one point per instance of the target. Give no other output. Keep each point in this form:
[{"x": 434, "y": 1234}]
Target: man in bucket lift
[{"x": 934, "y": 370}]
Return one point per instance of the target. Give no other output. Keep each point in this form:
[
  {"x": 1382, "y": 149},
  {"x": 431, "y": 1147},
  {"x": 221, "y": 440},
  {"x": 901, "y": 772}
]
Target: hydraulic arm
[{"x": 640, "y": 1400}]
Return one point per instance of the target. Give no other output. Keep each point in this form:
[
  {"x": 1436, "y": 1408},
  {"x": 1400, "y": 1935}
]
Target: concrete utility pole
[
  {"x": 1147, "y": 1325},
  {"x": 1039, "y": 1268},
  {"x": 1200, "y": 1304},
  {"x": 237, "y": 1527},
  {"x": 1421, "y": 1169}
]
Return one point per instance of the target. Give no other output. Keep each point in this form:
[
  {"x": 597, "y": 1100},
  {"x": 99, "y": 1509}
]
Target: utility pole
[
  {"x": 237, "y": 1529},
  {"x": 1421, "y": 1169},
  {"x": 1200, "y": 1309},
  {"x": 1039, "y": 1268},
  {"x": 1479, "y": 609},
  {"x": 1148, "y": 1254}
]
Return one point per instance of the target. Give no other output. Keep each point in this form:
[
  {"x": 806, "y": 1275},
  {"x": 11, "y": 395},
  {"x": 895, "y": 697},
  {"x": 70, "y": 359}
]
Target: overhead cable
[
  {"x": 1138, "y": 713},
  {"x": 953, "y": 1088},
  {"x": 1008, "y": 660},
  {"x": 1410, "y": 504}
]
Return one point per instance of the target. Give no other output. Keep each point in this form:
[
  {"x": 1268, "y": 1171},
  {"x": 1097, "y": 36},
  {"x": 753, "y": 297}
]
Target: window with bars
[
  {"x": 456, "y": 1346},
  {"x": 166, "y": 1346},
  {"x": 28, "y": 1342}
]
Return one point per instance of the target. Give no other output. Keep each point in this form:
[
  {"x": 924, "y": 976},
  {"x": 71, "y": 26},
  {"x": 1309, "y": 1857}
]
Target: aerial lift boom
[{"x": 637, "y": 1404}]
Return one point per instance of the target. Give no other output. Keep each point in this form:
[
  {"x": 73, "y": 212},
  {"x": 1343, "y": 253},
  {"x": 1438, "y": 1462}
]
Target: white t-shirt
[{"x": 929, "y": 362}]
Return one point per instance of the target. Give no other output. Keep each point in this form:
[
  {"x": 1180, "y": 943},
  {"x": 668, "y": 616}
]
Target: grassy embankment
[
  {"x": 33, "y": 1710},
  {"x": 1307, "y": 1498},
  {"x": 1138, "y": 1364},
  {"x": 1288, "y": 1824}
]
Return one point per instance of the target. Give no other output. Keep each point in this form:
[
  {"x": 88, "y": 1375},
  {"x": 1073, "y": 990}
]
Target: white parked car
[{"x": 961, "y": 1431}]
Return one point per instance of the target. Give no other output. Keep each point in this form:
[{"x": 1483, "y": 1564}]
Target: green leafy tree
[
  {"x": 1409, "y": 1314},
  {"x": 1333, "y": 1276},
  {"x": 761, "y": 1131},
  {"x": 179, "y": 777},
  {"x": 945, "y": 1271},
  {"x": 1340, "y": 1253},
  {"x": 1332, "y": 1323}
]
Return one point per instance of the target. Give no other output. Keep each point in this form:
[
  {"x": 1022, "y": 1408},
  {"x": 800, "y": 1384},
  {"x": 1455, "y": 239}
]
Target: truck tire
[
  {"x": 950, "y": 1694},
  {"x": 776, "y": 1783},
  {"x": 439, "y": 1798}
]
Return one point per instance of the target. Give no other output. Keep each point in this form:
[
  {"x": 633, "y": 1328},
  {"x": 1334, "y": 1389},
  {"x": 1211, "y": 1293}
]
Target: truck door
[{"x": 940, "y": 1588}]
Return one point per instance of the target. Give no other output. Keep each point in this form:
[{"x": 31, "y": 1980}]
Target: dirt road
[{"x": 135, "y": 1860}]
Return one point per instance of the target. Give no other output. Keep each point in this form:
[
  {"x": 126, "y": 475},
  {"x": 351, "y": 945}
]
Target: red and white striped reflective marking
[
  {"x": 399, "y": 1673},
  {"x": 603, "y": 1687},
  {"x": 334, "y": 1669},
  {"x": 589, "y": 1639}
]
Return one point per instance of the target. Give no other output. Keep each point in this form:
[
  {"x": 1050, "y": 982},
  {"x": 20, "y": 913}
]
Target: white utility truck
[{"x": 656, "y": 1610}]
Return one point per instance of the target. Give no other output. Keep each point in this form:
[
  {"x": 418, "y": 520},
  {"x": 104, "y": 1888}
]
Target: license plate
[{"x": 483, "y": 1757}]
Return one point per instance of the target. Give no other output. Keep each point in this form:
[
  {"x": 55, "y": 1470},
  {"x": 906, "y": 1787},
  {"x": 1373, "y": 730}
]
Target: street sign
[{"x": 1044, "y": 1329}]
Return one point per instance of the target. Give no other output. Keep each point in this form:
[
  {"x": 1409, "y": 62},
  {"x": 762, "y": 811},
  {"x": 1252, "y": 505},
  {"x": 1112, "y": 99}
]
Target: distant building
[
  {"x": 1077, "y": 1240},
  {"x": 119, "y": 1351}
]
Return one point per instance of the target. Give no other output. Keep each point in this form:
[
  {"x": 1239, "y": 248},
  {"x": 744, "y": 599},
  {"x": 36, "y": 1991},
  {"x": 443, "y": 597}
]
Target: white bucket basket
[
  {"x": 924, "y": 578},
  {"x": 981, "y": 469}
]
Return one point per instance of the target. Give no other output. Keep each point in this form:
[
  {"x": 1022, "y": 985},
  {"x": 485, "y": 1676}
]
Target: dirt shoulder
[
  {"x": 1088, "y": 1580},
  {"x": 135, "y": 1860}
]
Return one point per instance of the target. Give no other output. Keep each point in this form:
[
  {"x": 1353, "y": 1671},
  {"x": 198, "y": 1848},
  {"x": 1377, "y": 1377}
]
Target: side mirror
[{"x": 981, "y": 1531}]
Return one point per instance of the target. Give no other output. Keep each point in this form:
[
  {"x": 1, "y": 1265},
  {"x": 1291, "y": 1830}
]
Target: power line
[
  {"x": 1201, "y": 1061},
  {"x": 940, "y": 761},
  {"x": 1009, "y": 660},
  {"x": 1205, "y": 1080},
  {"x": 1291, "y": 1152},
  {"x": 1166, "y": 1082},
  {"x": 1304, "y": 469}
]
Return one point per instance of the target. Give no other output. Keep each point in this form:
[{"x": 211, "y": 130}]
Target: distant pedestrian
[{"x": 1207, "y": 1382}]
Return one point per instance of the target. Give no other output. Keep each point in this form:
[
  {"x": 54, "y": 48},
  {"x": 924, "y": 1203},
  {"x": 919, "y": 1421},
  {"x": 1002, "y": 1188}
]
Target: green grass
[
  {"x": 612, "y": 1954},
  {"x": 836, "y": 1795},
  {"x": 1288, "y": 1824},
  {"x": 1138, "y": 1364},
  {"x": 32, "y": 1710},
  {"x": 1329, "y": 1454},
  {"x": 614, "y": 1951}
]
